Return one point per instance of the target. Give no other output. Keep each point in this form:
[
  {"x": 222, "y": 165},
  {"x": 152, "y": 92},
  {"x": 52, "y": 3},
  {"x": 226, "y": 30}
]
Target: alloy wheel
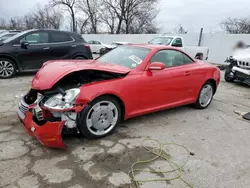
[
  {"x": 102, "y": 118},
  {"x": 6, "y": 68}
]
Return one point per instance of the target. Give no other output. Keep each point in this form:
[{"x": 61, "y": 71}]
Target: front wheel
[
  {"x": 100, "y": 118},
  {"x": 7, "y": 68},
  {"x": 205, "y": 96}
]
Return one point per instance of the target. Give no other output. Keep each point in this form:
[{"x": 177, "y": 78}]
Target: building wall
[{"x": 220, "y": 45}]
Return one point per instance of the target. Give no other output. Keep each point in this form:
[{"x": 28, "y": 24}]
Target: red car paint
[
  {"x": 55, "y": 70},
  {"x": 48, "y": 135},
  {"x": 142, "y": 91}
]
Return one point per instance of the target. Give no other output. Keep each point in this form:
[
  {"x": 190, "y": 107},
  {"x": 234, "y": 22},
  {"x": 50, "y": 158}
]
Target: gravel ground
[{"x": 217, "y": 137}]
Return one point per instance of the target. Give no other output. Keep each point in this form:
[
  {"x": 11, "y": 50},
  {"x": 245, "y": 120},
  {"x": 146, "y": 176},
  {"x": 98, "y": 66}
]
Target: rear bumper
[{"x": 49, "y": 134}]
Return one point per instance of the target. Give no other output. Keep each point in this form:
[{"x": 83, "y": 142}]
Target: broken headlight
[{"x": 62, "y": 102}]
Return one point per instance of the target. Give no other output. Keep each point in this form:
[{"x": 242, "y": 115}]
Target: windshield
[
  {"x": 161, "y": 40},
  {"x": 127, "y": 56}
]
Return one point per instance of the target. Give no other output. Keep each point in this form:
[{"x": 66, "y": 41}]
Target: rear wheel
[
  {"x": 80, "y": 57},
  {"x": 227, "y": 76},
  {"x": 100, "y": 118},
  {"x": 7, "y": 68},
  {"x": 205, "y": 96}
]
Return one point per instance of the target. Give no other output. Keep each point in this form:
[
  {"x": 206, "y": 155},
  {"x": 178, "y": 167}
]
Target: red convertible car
[{"x": 93, "y": 96}]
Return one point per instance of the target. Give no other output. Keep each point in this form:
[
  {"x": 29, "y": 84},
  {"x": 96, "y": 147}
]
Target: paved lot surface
[{"x": 218, "y": 139}]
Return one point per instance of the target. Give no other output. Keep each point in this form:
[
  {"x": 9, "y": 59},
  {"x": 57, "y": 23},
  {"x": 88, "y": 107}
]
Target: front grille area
[{"x": 243, "y": 64}]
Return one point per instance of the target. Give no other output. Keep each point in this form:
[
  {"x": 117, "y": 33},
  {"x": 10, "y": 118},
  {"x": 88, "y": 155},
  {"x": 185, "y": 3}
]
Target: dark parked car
[{"x": 28, "y": 50}]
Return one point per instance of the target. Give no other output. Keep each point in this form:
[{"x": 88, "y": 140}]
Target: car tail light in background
[{"x": 87, "y": 46}]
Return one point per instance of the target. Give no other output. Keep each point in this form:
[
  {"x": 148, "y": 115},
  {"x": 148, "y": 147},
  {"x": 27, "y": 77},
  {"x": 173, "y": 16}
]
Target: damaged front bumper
[
  {"x": 241, "y": 74},
  {"x": 47, "y": 132}
]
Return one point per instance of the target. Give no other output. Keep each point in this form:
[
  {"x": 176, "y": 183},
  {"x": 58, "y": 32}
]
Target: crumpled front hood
[
  {"x": 52, "y": 71},
  {"x": 242, "y": 55}
]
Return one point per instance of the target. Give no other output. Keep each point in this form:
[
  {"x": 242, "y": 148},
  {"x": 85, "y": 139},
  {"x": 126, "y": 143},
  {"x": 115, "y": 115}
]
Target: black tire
[
  {"x": 12, "y": 72},
  {"x": 102, "y": 51},
  {"x": 199, "y": 56},
  {"x": 227, "y": 77},
  {"x": 198, "y": 104},
  {"x": 80, "y": 57},
  {"x": 82, "y": 117}
]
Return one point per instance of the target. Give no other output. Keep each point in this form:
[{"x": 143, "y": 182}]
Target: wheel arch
[
  {"x": 120, "y": 101},
  {"x": 80, "y": 55},
  {"x": 213, "y": 82}
]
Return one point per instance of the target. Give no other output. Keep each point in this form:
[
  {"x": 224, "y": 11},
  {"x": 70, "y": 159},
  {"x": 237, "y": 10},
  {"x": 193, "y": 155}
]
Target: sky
[{"x": 191, "y": 14}]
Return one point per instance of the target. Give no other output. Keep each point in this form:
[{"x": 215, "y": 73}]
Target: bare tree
[
  {"x": 82, "y": 22},
  {"x": 91, "y": 9},
  {"x": 144, "y": 11},
  {"x": 108, "y": 18},
  {"x": 140, "y": 16},
  {"x": 129, "y": 16},
  {"x": 71, "y": 6},
  {"x": 180, "y": 30},
  {"x": 46, "y": 17},
  {"x": 118, "y": 7},
  {"x": 3, "y": 24},
  {"x": 29, "y": 22},
  {"x": 236, "y": 25}
]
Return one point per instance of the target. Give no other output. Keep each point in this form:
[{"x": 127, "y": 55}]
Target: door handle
[
  {"x": 46, "y": 48},
  {"x": 188, "y": 73},
  {"x": 73, "y": 46}
]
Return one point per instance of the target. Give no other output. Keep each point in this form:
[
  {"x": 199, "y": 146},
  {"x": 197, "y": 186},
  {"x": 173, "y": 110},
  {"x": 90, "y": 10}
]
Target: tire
[
  {"x": 80, "y": 57},
  {"x": 199, "y": 56},
  {"x": 8, "y": 68},
  {"x": 199, "y": 104},
  {"x": 227, "y": 77},
  {"x": 89, "y": 120},
  {"x": 102, "y": 51}
]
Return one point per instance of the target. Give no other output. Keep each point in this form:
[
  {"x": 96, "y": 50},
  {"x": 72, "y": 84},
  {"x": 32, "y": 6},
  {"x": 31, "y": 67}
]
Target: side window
[
  {"x": 187, "y": 59},
  {"x": 60, "y": 37},
  {"x": 163, "y": 57},
  {"x": 171, "y": 58},
  {"x": 177, "y": 42},
  {"x": 90, "y": 42},
  {"x": 36, "y": 38},
  {"x": 97, "y": 42}
]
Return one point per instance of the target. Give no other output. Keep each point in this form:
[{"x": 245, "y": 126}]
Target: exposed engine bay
[{"x": 57, "y": 103}]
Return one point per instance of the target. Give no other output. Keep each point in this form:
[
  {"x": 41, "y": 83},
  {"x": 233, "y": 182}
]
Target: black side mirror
[{"x": 24, "y": 44}]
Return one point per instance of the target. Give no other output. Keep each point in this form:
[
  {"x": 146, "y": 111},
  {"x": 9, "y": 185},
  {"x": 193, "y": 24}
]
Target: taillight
[{"x": 87, "y": 46}]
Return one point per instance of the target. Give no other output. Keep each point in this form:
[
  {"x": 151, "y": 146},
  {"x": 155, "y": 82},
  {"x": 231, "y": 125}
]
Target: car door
[
  {"x": 61, "y": 45},
  {"x": 33, "y": 55},
  {"x": 169, "y": 87}
]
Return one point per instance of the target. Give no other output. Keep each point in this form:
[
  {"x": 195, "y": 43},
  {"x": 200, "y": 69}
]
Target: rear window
[{"x": 60, "y": 37}]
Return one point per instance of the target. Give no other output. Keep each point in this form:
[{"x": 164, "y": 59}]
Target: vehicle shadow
[
  {"x": 74, "y": 140},
  {"x": 25, "y": 74}
]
